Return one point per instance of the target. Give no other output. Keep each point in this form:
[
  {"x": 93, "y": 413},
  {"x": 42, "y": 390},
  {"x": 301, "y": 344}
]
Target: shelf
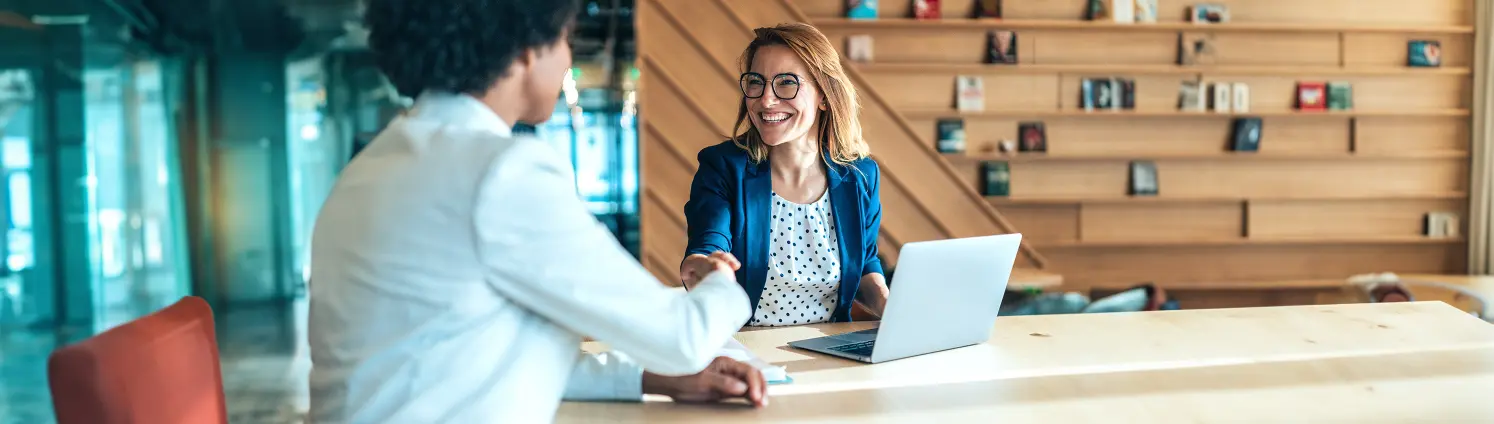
[
  {"x": 999, "y": 201},
  {"x": 1040, "y": 157},
  {"x": 1067, "y": 24},
  {"x": 974, "y": 68},
  {"x": 991, "y": 114},
  {"x": 1248, "y": 242},
  {"x": 1240, "y": 285}
]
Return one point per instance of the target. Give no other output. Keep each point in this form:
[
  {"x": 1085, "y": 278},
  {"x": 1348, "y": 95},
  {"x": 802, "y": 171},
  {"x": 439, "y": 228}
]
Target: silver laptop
[{"x": 946, "y": 295}]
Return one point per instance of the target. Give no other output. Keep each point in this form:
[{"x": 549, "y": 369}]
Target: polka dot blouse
[{"x": 804, "y": 269}]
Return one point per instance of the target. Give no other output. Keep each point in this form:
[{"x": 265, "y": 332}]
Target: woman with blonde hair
[{"x": 794, "y": 194}]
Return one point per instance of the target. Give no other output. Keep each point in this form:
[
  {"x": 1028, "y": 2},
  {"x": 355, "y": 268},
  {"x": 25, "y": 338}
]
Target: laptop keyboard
[{"x": 861, "y": 348}]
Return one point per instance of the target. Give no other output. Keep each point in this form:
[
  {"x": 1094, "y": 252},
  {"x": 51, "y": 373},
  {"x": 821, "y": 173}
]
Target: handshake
[{"x": 698, "y": 266}]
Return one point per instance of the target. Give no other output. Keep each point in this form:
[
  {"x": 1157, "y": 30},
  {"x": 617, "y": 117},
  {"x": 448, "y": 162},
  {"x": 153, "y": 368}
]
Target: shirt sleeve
[
  {"x": 609, "y": 376},
  {"x": 547, "y": 253},
  {"x": 872, "y": 217}
]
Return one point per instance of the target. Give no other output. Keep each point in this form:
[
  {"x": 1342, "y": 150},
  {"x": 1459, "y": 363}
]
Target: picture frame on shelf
[
  {"x": 859, "y": 48},
  {"x": 1033, "y": 137},
  {"x": 1424, "y": 53},
  {"x": 1340, "y": 96},
  {"x": 926, "y": 9},
  {"x": 988, "y": 9},
  {"x": 861, "y": 9},
  {"x": 1245, "y": 134},
  {"x": 996, "y": 178},
  {"x": 1192, "y": 96},
  {"x": 1196, "y": 48},
  {"x": 1208, "y": 13},
  {"x": 1146, "y": 11},
  {"x": 1001, "y": 47},
  {"x": 951, "y": 135},
  {"x": 970, "y": 93},
  {"x": 1143, "y": 178},
  {"x": 1312, "y": 96}
]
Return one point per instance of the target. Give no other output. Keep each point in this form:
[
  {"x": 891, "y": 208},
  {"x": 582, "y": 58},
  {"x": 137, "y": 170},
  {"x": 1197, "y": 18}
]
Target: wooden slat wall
[
  {"x": 688, "y": 53},
  {"x": 1328, "y": 195}
]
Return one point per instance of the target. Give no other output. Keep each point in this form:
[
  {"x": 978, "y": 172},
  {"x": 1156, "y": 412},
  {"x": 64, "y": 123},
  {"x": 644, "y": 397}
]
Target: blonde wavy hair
[{"x": 839, "y": 129}]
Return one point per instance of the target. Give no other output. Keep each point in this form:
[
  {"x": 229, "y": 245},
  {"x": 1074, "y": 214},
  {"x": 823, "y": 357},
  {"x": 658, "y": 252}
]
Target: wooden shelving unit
[
  {"x": 1329, "y": 194},
  {"x": 1246, "y": 242},
  {"x": 1078, "y": 25},
  {"x": 1221, "y": 156},
  {"x": 1122, "y": 69},
  {"x": 1177, "y": 114},
  {"x": 998, "y": 200}
]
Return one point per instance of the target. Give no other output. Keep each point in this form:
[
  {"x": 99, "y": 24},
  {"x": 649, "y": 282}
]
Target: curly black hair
[{"x": 459, "y": 46}]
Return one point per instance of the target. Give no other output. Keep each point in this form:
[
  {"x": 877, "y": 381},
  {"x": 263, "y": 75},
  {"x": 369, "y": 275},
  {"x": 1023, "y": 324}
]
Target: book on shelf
[
  {"x": 1123, "y": 11},
  {"x": 1127, "y": 93},
  {"x": 1240, "y": 97},
  {"x": 1034, "y": 137},
  {"x": 1442, "y": 225},
  {"x": 1143, "y": 178},
  {"x": 1146, "y": 11},
  {"x": 1340, "y": 96},
  {"x": 988, "y": 9},
  {"x": 951, "y": 135},
  {"x": 1208, "y": 13},
  {"x": 1087, "y": 94},
  {"x": 1245, "y": 136},
  {"x": 1424, "y": 53},
  {"x": 1192, "y": 96},
  {"x": 859, "y": 48},
  {"x": 997, "y": 178},
  {"x": 1221, "y": 97},
  {"x": 1001, "y": 47},
  {"x": 926, "y": 9},
  {"x": 861, "y": 9},
  {"x": 1312, "y": 96},
  {"x": 970, "y": 94}
]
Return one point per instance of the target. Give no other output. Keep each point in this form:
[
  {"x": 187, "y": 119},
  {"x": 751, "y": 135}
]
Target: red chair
[{"x": 159, "y": 369}]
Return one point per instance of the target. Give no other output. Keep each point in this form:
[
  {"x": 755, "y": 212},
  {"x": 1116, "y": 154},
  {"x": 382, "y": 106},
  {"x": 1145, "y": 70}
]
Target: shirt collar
[{"x": 458, "y": 109}]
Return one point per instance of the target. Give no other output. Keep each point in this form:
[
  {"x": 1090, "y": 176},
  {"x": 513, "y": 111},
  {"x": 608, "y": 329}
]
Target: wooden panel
[
  {"x": 1153, "y": 92},
  {"x": 1307, "y": 177},
  {"x": 936, "y": 91},
  {"x": 902, "y": 219},
  {"x": 1389, "y": 49},
  {"x": 1391, "y": 134},
  {"x": 723, "y": 46},
  {"x": 1039, "y": 223},
  {"x": 1201, "y": 221},
  {"x": 667, "y": 239},
  {"x": 669, "y": 178},
  {"x": 1085, "y": 179},
  {"x": 1190, "y": 264},
  {"x": 1111, "y": 48},
  {"x": 1343, "y": 218},
  {"x": 1370, "y": 92},
  {"x": 683, "y": 127},
  {"x": 1305, "y": 135},
  {"x": 1274, "y": 49}
]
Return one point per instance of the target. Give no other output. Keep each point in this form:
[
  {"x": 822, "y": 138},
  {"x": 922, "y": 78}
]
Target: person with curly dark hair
[{"x": 454, "y": 269}]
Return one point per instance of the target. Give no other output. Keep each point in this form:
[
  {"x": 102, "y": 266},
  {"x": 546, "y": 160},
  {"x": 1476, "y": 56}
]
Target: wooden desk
[{"x": 1391, "y": 362}]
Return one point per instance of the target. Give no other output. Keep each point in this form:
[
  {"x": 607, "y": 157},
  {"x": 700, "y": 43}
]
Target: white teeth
[{"x": 774, "y": 118}]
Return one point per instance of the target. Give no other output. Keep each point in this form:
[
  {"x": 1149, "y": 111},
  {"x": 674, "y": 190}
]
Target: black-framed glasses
[{"x": 785, "y": 85}]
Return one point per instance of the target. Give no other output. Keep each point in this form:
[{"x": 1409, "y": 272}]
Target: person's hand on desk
[
  {"x": 724, "y": 378},
  {"x": 697, "y": 266}
]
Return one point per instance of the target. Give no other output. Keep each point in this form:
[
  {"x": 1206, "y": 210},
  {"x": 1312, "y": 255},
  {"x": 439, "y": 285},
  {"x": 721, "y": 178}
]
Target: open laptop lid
[{"x": 946, "y": 295}]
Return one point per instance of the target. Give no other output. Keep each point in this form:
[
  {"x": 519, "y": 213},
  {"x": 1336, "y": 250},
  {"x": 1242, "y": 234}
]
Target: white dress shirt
[{"x": 454, "y": 271}]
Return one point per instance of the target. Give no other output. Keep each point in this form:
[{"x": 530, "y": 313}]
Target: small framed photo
[
  {"x": 1034, "y": 137},
  {"x": 1208, "y": 13},
  {"x": 1312, "y": 96},
  {"x": 1143, "y": 178},
  {"x": 1001, "y": 47},
  {"x": 1424, "y": 53},
  {"x": 1340, "y": 96},
  {"x": 859, "y": 48},
  {"x": 926, "y": 9}
]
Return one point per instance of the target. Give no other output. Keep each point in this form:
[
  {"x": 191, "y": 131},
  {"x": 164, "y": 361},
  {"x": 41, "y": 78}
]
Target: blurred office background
[{"x": 160, "y": 148}]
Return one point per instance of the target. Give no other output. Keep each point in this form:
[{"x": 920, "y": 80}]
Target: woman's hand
[
  {"x": 873, "y": 293},
  {"x": 697, "y": 266}
]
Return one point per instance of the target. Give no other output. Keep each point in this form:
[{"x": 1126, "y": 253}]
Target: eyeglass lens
[{"x": 785, "y": 86}]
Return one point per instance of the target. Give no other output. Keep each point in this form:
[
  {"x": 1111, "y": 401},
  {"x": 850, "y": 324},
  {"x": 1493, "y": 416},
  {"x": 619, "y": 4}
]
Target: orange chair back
[{"x": 159, "y": 369}]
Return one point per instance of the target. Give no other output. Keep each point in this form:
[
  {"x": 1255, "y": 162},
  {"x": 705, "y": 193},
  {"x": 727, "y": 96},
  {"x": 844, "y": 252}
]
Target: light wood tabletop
[{"x": 1387, "y": 362}]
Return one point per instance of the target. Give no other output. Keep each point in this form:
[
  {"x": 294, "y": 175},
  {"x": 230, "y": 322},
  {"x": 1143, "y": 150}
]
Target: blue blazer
[{"x": 730, "y": 210}]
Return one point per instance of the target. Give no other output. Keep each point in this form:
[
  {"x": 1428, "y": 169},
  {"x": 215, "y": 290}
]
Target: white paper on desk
[{"x": 772, "y": 373}]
